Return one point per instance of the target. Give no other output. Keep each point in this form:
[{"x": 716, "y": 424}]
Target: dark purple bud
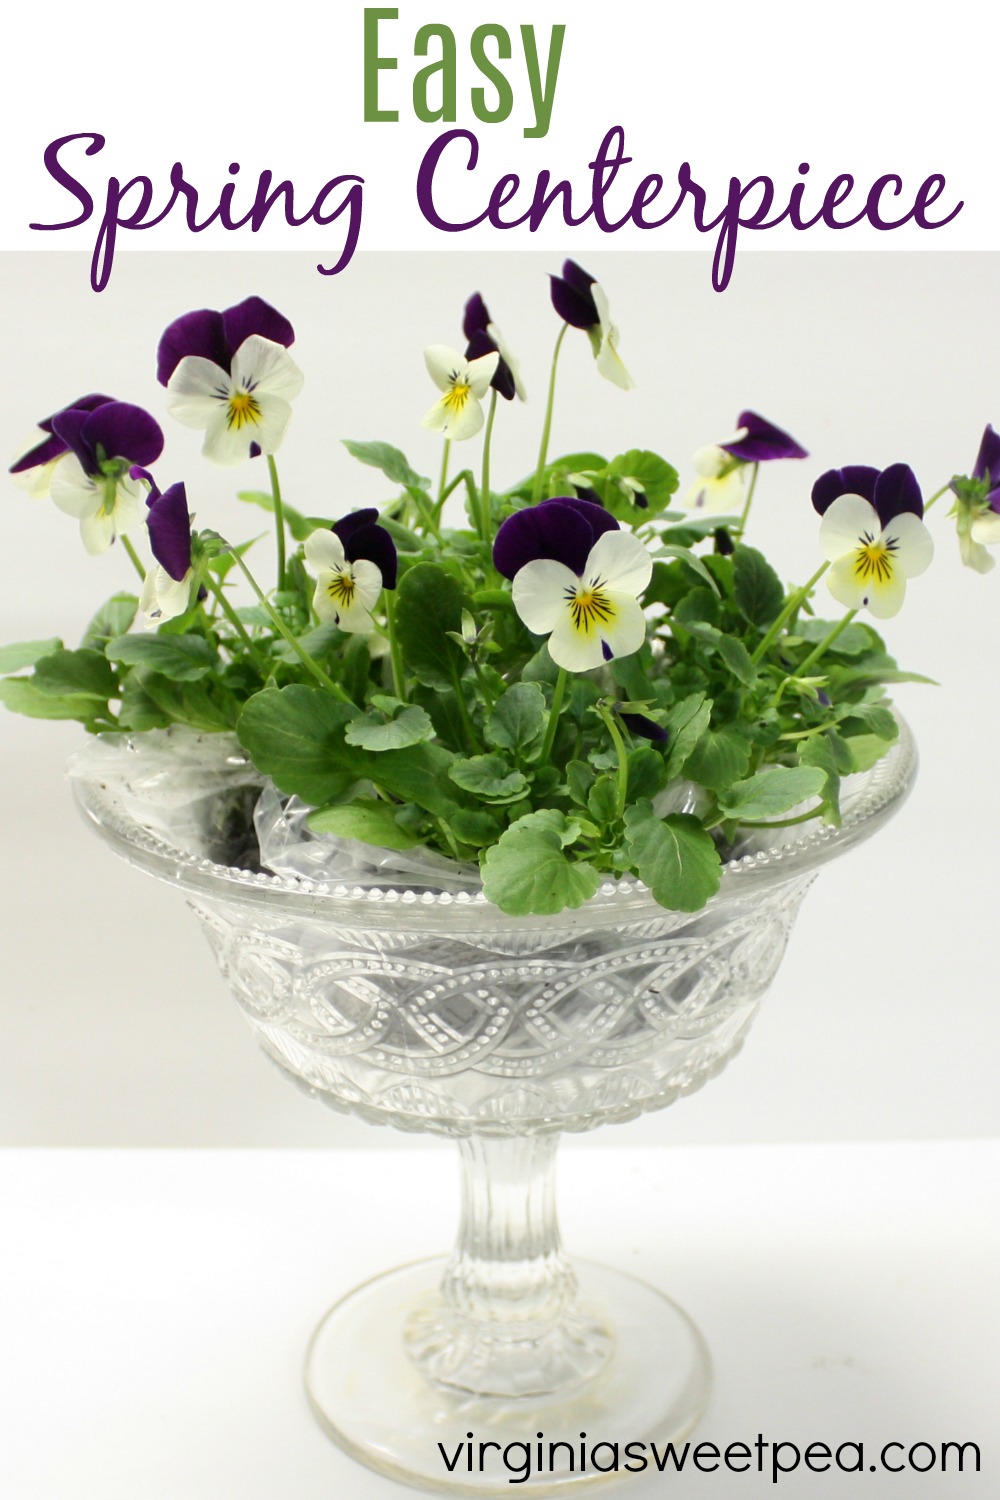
[
  {"x": 476, "y": 318},
  {"x": 479, "y": 344},
  {"x": 853, "y": 479},
  {"x": 724, "y": 544},
  {"x": 363, "y": 538},
  {"x": 638, "y": 724},
  {"x": 563, "y": 530},
  {"x": 988, "y": 460},
  {"x": 897, "y": 491},
  {"x": 763, "y": 441},
  {"x": 255, "y": 450},
  {"x": 823, "y": 698},
  {"x": 572, "y": 297},
  {"x": 53, "y": 446},
  {"x": 606, "y": 651},
  {"x": 169, "y": 525}
]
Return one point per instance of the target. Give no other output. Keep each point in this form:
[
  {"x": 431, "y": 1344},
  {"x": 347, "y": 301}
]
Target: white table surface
[{"x": 155, "y": 1306}]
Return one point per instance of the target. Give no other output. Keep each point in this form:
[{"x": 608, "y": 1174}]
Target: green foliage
[
  {"x": 528, "y": 870},
  {"x": 429, "y": 607},
  {"x": 674, "y": 856},
  {"x": 372, "y": 822}
]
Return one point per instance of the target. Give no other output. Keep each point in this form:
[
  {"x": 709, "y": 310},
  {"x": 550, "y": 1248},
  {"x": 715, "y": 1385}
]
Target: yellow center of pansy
[
  {"x": 243, "y": 410},
  {"x": 873, "y": 562},
  {"x": 457, "y": 395},
  {"x": 342, "y": 588},
  {"x": 589, "y": 607}
]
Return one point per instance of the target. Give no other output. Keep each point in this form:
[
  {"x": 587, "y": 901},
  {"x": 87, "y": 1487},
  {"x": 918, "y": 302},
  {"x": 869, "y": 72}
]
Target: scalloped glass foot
[{"x": 368, "y": 1394}]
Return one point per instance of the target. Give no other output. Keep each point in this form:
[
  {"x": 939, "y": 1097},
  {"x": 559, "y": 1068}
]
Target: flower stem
[
  {"x": 216, "y": 588},
  {"x": 746, "y": 508},
  {"x": 443, "y": 478},
  {"x": 815, "y": 654},
  {"x": 557, "y": 701},
  {"x": 485, "y": 516},
  {"x": 622, "y": 755},
  {"x": 543, "y": 451},
  {"x": 133, "y": 556},
  {"x": 279, "y": 518},
  {"x": 793, "y": 605},
  {"x": 395, "y": 655},
  {"x": 307, "y": 661}
]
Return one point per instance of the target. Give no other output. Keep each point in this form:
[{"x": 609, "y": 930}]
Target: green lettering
[
  {"x": 374, "y": 63},
  {"x": 446, "y": 67},
  {"x": 505, "y": 94},
  {"x": 542, "y": 95}
]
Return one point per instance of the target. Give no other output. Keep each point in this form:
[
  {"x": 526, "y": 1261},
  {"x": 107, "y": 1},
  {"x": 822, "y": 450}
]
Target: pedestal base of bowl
[{"x": 374, "y": 1402}]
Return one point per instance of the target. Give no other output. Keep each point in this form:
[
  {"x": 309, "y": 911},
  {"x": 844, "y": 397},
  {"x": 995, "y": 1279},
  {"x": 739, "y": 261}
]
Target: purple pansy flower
[
  {"x": 52, "y": 447},
  {"x": 230, "y": 374},
  {"x": 354, "y": 560},
  {"x": 872, "y": 534},
  {"x": 92, "y": 480},
  {"x": 484, "y": 337},
  {"x": 167, "y": 588},
  {"x": 577, "y": 579},
  {"x": 759, "y": 441},
  {"x": 583, "y": 303}
]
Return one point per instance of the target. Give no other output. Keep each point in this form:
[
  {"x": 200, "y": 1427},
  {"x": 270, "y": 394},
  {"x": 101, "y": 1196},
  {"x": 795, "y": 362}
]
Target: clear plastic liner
[{"x": 289, "y": 847}]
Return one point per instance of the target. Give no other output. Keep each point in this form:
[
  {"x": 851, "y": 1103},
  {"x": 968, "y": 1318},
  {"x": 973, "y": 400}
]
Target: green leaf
[
  {"x": 874, "y": 717},
  {"x": 579, "y": 780},
  {"x": 853, "y": 640},
  {"x": 820, "y": 752},
  {"x": 720, "y": 757},
  {"x": 737, "y": 659},
  {"x": 25, "y": 653},
  {"x": 489, "y": 776},
  {"x": 429, "y": 604},
  {"x": 866, "y": 750},
  {"x": 205, "y": 705},
  {"x": 389, "y": 459},
  {"x": 772, "y": 792},
  {"x": 686, "y": 722},
  {"x": 114, "y": 617},
  {"x": 602, "y": 804},
  {"x": 475, "y": 826},
  {"x": 22, "y": 697},
  {"x": 690, "y": 560},
  {"x": 637, "y": 471},
  {"x": 372, "y": 822},
  {"x": 82, "y": 671},
  {"x": 138, "y": 710},
  {"x": 518, "y": 720},
  {"x": 647, "y": 773},
  {"x": 674, "y": 857},
  {"x": 295, "y": 736},
  {"x": 182, "y": 658},
  {"x": 756, "y": 586},
  {"x": 372, "y": 732},
  {"x": 528, "y": 872}
]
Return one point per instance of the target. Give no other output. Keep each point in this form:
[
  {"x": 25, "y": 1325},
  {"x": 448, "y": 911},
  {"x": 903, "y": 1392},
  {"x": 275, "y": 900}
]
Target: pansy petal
[
  {"x": 374, "y": 545},
  {"x": 199, "y": 334},
  {"x": 882, "y": 595},
  {"x": 721, "y": 495},
  {"x": 266, "y": 368},
  {"x": 346, "y": 527},
  {"x": 68, "y": 427},
  {"x": 368, "y": 578},
  {"x": 324, "y": 549},
  {"x": 226, "y": 445},
  {"x": 445, "y": 366},
  {"x": 540, "y": 593},
  {"x": 987, "y": 464},
  {"x": 72, "y": 489},
  {"x": 456, "y": 419},
  {"x": 476, "y": 317},
  {"x": 852, "y": 479},
  {"x": 50, "y": 448},
  {"x": 97, "y": 532},
  {"x": 502, "y": 381},
  {"x": 609, "y": 364},
  {"x": 481, "y": 372},
  {"x": 911, "y": 544},
  {"x": 255, "y": 316},
  {"x": 974, "y": 554},
  {"x": 897, "y": 492},
  {"x": 559, "y": 530},
  {"x": 761, "y": 441},
  {"x": 163, "y": 597},
  {"x": 574, "y": 307},
  {"x": 169, "y": 524},
  {"x": 846, "y": 521},
  {"x": 580, "y": 647},
  {"x": 197, "y": 391},
  {"x": 620, "y": 562},
  {"x": 986, "y": 529}
]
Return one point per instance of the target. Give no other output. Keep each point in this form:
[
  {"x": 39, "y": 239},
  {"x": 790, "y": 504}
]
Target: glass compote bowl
[{"x": 436, "y": 1012}]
